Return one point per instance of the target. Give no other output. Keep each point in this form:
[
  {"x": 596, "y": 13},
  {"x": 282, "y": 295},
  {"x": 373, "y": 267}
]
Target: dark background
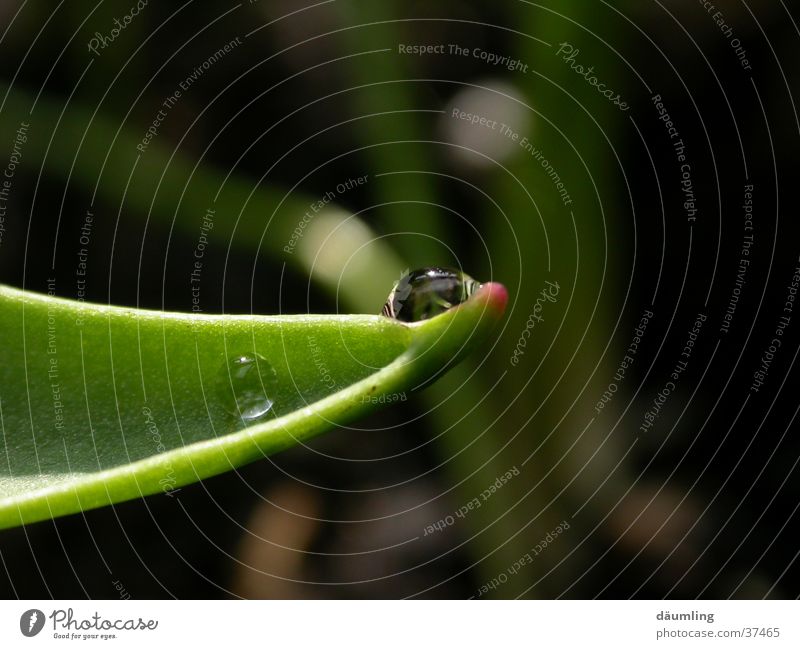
[{"x": 702, "y": 505}]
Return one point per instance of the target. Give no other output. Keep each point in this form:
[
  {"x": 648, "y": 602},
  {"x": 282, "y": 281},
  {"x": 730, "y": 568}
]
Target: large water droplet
[
  {"x": 252, "y": 382},
  {"x": 427, "y": 292}
]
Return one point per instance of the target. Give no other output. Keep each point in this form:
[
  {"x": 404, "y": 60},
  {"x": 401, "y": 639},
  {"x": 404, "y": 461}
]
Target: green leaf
[{"x": 100, "y": 404}]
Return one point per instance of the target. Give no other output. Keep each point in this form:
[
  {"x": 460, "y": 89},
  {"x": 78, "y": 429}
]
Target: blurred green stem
[
  {"x": 174, "y": 191},
  {"x": 392, "y": 136}
]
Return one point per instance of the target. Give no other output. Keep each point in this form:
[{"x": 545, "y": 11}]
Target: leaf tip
[{"x": 495, "y": 295}]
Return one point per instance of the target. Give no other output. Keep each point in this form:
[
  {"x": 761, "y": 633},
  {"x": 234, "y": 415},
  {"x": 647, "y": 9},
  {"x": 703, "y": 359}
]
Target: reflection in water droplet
[
  {"x": 252, "y": 381},
  {"x": 427, "y": 292}
]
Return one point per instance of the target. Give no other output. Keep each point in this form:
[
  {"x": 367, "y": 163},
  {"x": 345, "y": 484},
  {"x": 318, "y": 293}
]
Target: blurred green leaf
[{"x": 169, "y": 188}]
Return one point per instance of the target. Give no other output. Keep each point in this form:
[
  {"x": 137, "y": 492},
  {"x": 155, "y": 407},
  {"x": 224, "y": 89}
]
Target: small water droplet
[
  {"x": 427, "y": 292},
  {"x": 252, "y": 382}
]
